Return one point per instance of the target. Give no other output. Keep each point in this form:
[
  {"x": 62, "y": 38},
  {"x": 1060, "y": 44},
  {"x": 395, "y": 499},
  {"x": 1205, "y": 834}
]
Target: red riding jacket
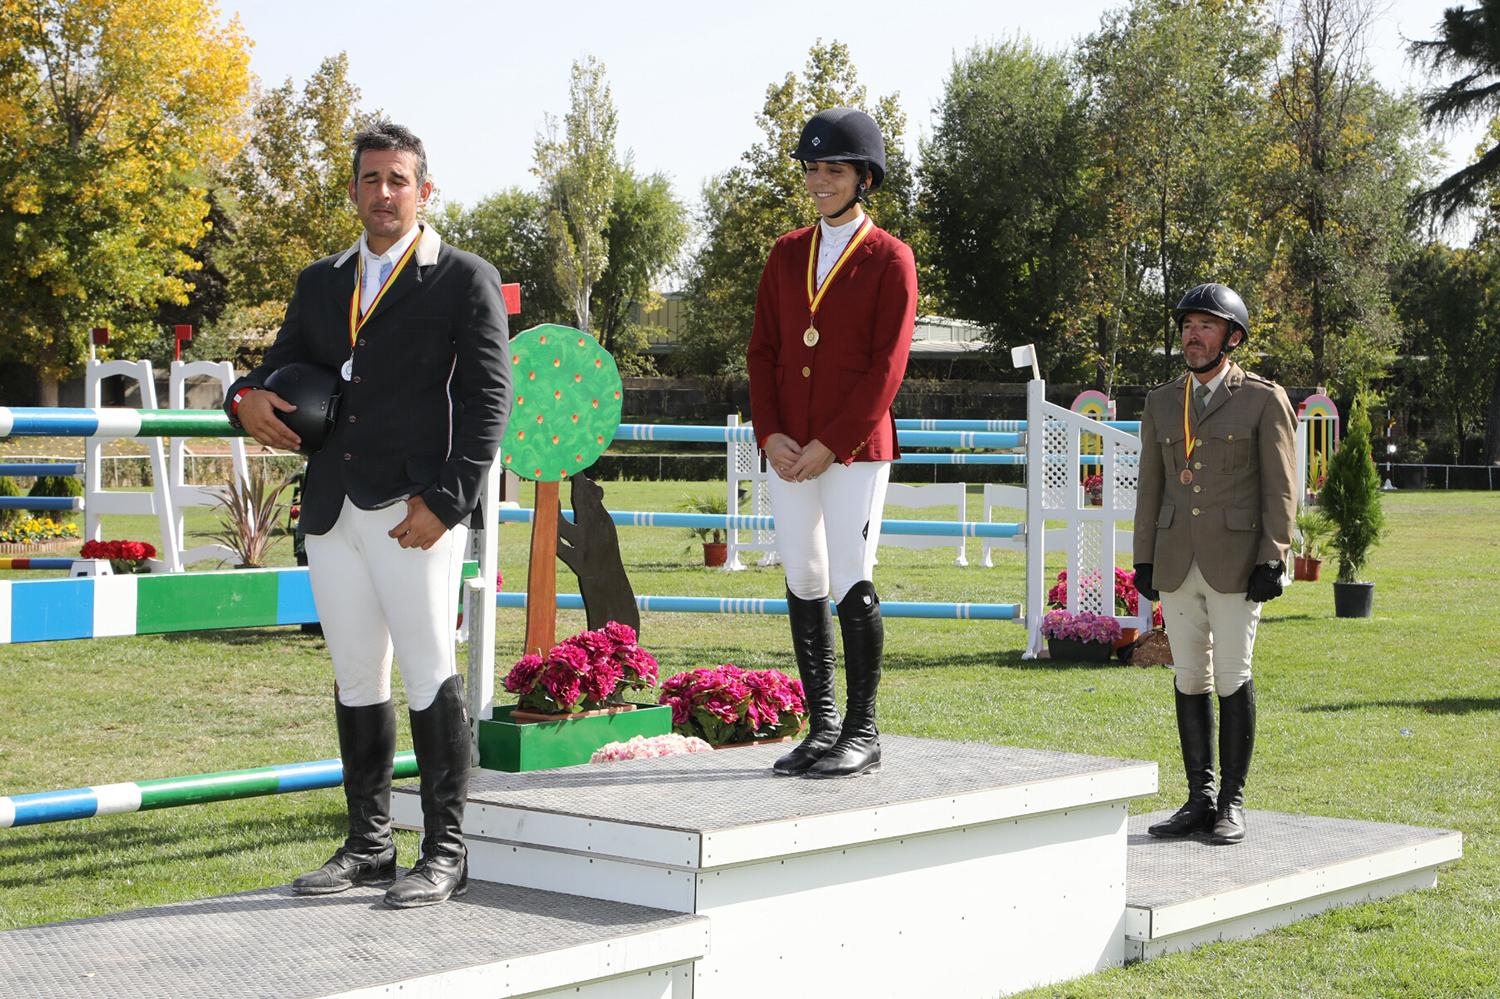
[{"x": 840, "y": 390}]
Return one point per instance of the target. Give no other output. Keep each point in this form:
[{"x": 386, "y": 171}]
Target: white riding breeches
[
  {"x": 827, "y": 528},
  {"x": 376, "y": 598},
  {"x": 1212, "y": 635}
]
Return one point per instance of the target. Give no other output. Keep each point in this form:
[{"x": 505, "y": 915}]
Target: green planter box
[{"x": 505, "y": 745}]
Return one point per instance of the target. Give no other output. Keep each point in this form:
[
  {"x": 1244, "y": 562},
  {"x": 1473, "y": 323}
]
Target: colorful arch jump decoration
[{"x": 1323, "y": 425}]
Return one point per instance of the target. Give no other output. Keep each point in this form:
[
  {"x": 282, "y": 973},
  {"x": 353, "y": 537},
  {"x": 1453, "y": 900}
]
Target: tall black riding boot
[
  {"x": 367, "y": 743},
  {"x": 812, "y": 642},
  {"x": 1195, "y": 731},
  {"x": 857, "y": 750},
  {"x": 1236, "y": 744},
  {"x": 440, "y": 737}
]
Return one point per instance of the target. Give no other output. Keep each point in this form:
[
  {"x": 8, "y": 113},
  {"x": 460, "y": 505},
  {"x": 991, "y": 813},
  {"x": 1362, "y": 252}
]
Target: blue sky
[{"x": 474, "y": 79}]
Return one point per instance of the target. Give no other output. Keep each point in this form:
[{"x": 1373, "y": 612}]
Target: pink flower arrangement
[
  {"x": 1127, "y": 597},
  {"x": 124, "y": 556},
  {"x": 584, "y": 672},
  {"x": 642, "y": 748},
  {"x": 725, "y": 704},
  {"x": 1084, "y": 627}
]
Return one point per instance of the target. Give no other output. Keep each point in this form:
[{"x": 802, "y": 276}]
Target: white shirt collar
[{"x": 396, "y": 249}]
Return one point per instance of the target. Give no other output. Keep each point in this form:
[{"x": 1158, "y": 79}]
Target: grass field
[{"x": 1396, "y": 718}]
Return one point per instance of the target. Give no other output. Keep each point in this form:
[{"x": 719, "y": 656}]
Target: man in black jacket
[{"x": 417, "y": 331}]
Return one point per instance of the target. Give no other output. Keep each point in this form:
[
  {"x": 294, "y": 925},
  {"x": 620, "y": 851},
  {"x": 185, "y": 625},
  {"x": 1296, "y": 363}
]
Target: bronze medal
[
  {"x": 811, "y": 336},
  {"x": 1186, "y": 478}
]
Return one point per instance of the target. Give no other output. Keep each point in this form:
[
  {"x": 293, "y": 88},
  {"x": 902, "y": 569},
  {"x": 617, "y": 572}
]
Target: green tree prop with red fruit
[{"x": 566, "y": 411}]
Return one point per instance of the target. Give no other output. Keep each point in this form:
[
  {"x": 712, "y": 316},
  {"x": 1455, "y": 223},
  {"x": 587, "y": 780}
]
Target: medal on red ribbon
[
  {"x": 815, "y": 291},
  {"x": 357, "y": 319}
]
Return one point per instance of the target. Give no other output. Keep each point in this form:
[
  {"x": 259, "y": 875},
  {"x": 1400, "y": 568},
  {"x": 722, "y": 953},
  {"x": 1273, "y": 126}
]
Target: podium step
[
  {"x": 949, "y": 848},
  {"x": 496, "y": 940},
  {"x": 1184, "y": 893}
]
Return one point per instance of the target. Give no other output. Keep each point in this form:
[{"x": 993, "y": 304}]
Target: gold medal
[
  {"x": 1186, "y": 477},
  {"x": 811, "y": 336}
]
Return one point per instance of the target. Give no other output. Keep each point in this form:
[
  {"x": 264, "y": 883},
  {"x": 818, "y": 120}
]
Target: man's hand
[
  {"x": 420, "y": 528},
  {"x": 814, "y": 462},
  {"x": 781, "y": 454},
  {"x": 257, "y": 414},
  {"x": 1143, "y": 581},
  {"x": 1265, "y": 582}
]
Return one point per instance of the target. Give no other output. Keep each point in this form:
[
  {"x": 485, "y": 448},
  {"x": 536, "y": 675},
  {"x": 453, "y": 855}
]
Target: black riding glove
[
  {"x": 1265, "y": 582},
  {"x": 1143, "y": 581}
]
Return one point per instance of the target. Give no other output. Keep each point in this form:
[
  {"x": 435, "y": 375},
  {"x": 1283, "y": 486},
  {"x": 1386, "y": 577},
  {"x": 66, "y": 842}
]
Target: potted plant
[
  {"x": 249, "y": 509},
  {"x": 715, "y": 550},
  {"x": 1351, "y": 499},
  {"x": 1080, "y": 637},
  {"x": 586, "y": 673},
  {"x": 1313, "y": 529},
  {"x": 727, "y": 706},
  {"x": 1127, "y": 600},
  {"x": 572, "y": 703},
  {"x": 124, "y": 557},
  {"x": 1093, "y": 488}
]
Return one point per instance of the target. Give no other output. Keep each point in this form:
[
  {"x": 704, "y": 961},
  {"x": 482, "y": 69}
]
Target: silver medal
[{"x": 347, "y": 371}]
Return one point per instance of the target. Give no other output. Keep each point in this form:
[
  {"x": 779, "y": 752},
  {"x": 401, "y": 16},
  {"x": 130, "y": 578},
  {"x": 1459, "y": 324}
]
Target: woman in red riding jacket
[{"x": 833, "y": 326}]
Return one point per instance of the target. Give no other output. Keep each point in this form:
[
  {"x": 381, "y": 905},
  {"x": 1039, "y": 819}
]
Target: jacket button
[
  {"x": 350, "y": 457},
  {"x": 1197, "y": 464},
  {"x": 1230, "y": 437},
  {"x": 362, "y": 343},
  {"x": 807, "y": 372},
  {"x": 353, "y": 419},
  {"x": 357, "y": 379},
  {"x": 1197, "y": 442},
  {"x": 1196, "y": 489},
  {"x": 1196, "y": 511}
]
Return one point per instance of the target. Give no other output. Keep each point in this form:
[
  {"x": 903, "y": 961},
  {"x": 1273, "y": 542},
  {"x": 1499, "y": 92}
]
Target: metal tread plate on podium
[
  {"x": 705, "y": 810},
  {"x": 1183, "y": 892},
  {"x": 495, "y": 940}
]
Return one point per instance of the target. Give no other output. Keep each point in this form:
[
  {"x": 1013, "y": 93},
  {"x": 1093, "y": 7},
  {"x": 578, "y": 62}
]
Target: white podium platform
[
  {"x": 958, "y": 870},
  {"x": 1187, "y": 892},
  {"x": 495, "y": 941}
]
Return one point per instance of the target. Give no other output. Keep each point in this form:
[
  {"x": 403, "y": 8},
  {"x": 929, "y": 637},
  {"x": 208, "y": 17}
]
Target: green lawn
[{"x": 1391, "y": 719}]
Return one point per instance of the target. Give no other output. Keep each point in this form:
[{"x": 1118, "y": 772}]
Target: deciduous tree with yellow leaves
[{"x": 112, "y": 113}]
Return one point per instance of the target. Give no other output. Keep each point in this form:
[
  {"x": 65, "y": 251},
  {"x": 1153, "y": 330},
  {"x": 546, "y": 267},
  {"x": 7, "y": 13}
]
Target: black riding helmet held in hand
[
  {"x": 1216, "y": 300},
  {"x": 314, "y": 390},
  {"x": 844, "y": 135}
]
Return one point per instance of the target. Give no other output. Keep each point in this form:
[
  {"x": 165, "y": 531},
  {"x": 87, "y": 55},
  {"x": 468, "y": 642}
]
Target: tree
[
  {"x": 110, "y": 116},
  {"x": 290, "y": 185},
  {"x": 647, "y": 228},
  {"x": 1342, "y": 160},
  {"x": 1449, "y": 304},
  {"x": 1175, "y": 88},
  {"x": 1351, "y": 495},
  {"x": 578, "y": 170},
  {"x": 1468, "y": 44},
  {"x": 746, "y": 208},
  {"x": 509, "y": 229},
  {"x": 1005, "y": 200}
]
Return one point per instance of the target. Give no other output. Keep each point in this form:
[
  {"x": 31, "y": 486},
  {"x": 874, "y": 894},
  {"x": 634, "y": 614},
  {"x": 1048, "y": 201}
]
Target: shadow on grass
[
  {"x": 112, "y": 852},
  {"x": 1434, "y": 706},
  {"x": 275, "y": 634}
]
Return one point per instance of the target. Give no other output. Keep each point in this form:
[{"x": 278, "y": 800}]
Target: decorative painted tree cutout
[{"x": 566, "y": 411}]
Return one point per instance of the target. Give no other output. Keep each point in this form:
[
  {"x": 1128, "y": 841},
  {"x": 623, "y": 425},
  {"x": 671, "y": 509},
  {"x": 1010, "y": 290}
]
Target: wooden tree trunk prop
[
  {"x": 567, "y": 409},
  {"x": 541, "y": 576}
]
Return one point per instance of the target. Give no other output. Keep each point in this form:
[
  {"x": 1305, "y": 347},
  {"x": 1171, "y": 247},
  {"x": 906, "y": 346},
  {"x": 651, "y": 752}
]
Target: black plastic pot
[{"x": 1353, "y": 599}]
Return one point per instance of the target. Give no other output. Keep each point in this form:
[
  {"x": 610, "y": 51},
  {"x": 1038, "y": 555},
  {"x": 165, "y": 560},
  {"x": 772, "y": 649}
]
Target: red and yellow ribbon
[
  {"x": 1187, "y": 436},
  {"x": 815, "y": 292},
  {"x": 357, "y": 319}
]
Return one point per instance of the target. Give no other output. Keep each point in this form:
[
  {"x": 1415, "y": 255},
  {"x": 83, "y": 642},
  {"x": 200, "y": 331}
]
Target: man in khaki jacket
[{"x": 1213, "y": 521}]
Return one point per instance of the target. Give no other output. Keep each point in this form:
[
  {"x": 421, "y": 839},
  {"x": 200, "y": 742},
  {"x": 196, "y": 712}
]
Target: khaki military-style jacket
[{"x": 1239, "y": 508}]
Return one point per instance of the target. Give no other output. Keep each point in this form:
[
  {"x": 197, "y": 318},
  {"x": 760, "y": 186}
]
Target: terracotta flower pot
[
  {"x": 715, "y": 553},
  {"x": 1306, "y": 569},
  {"x": 1127, "y": 636}
]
